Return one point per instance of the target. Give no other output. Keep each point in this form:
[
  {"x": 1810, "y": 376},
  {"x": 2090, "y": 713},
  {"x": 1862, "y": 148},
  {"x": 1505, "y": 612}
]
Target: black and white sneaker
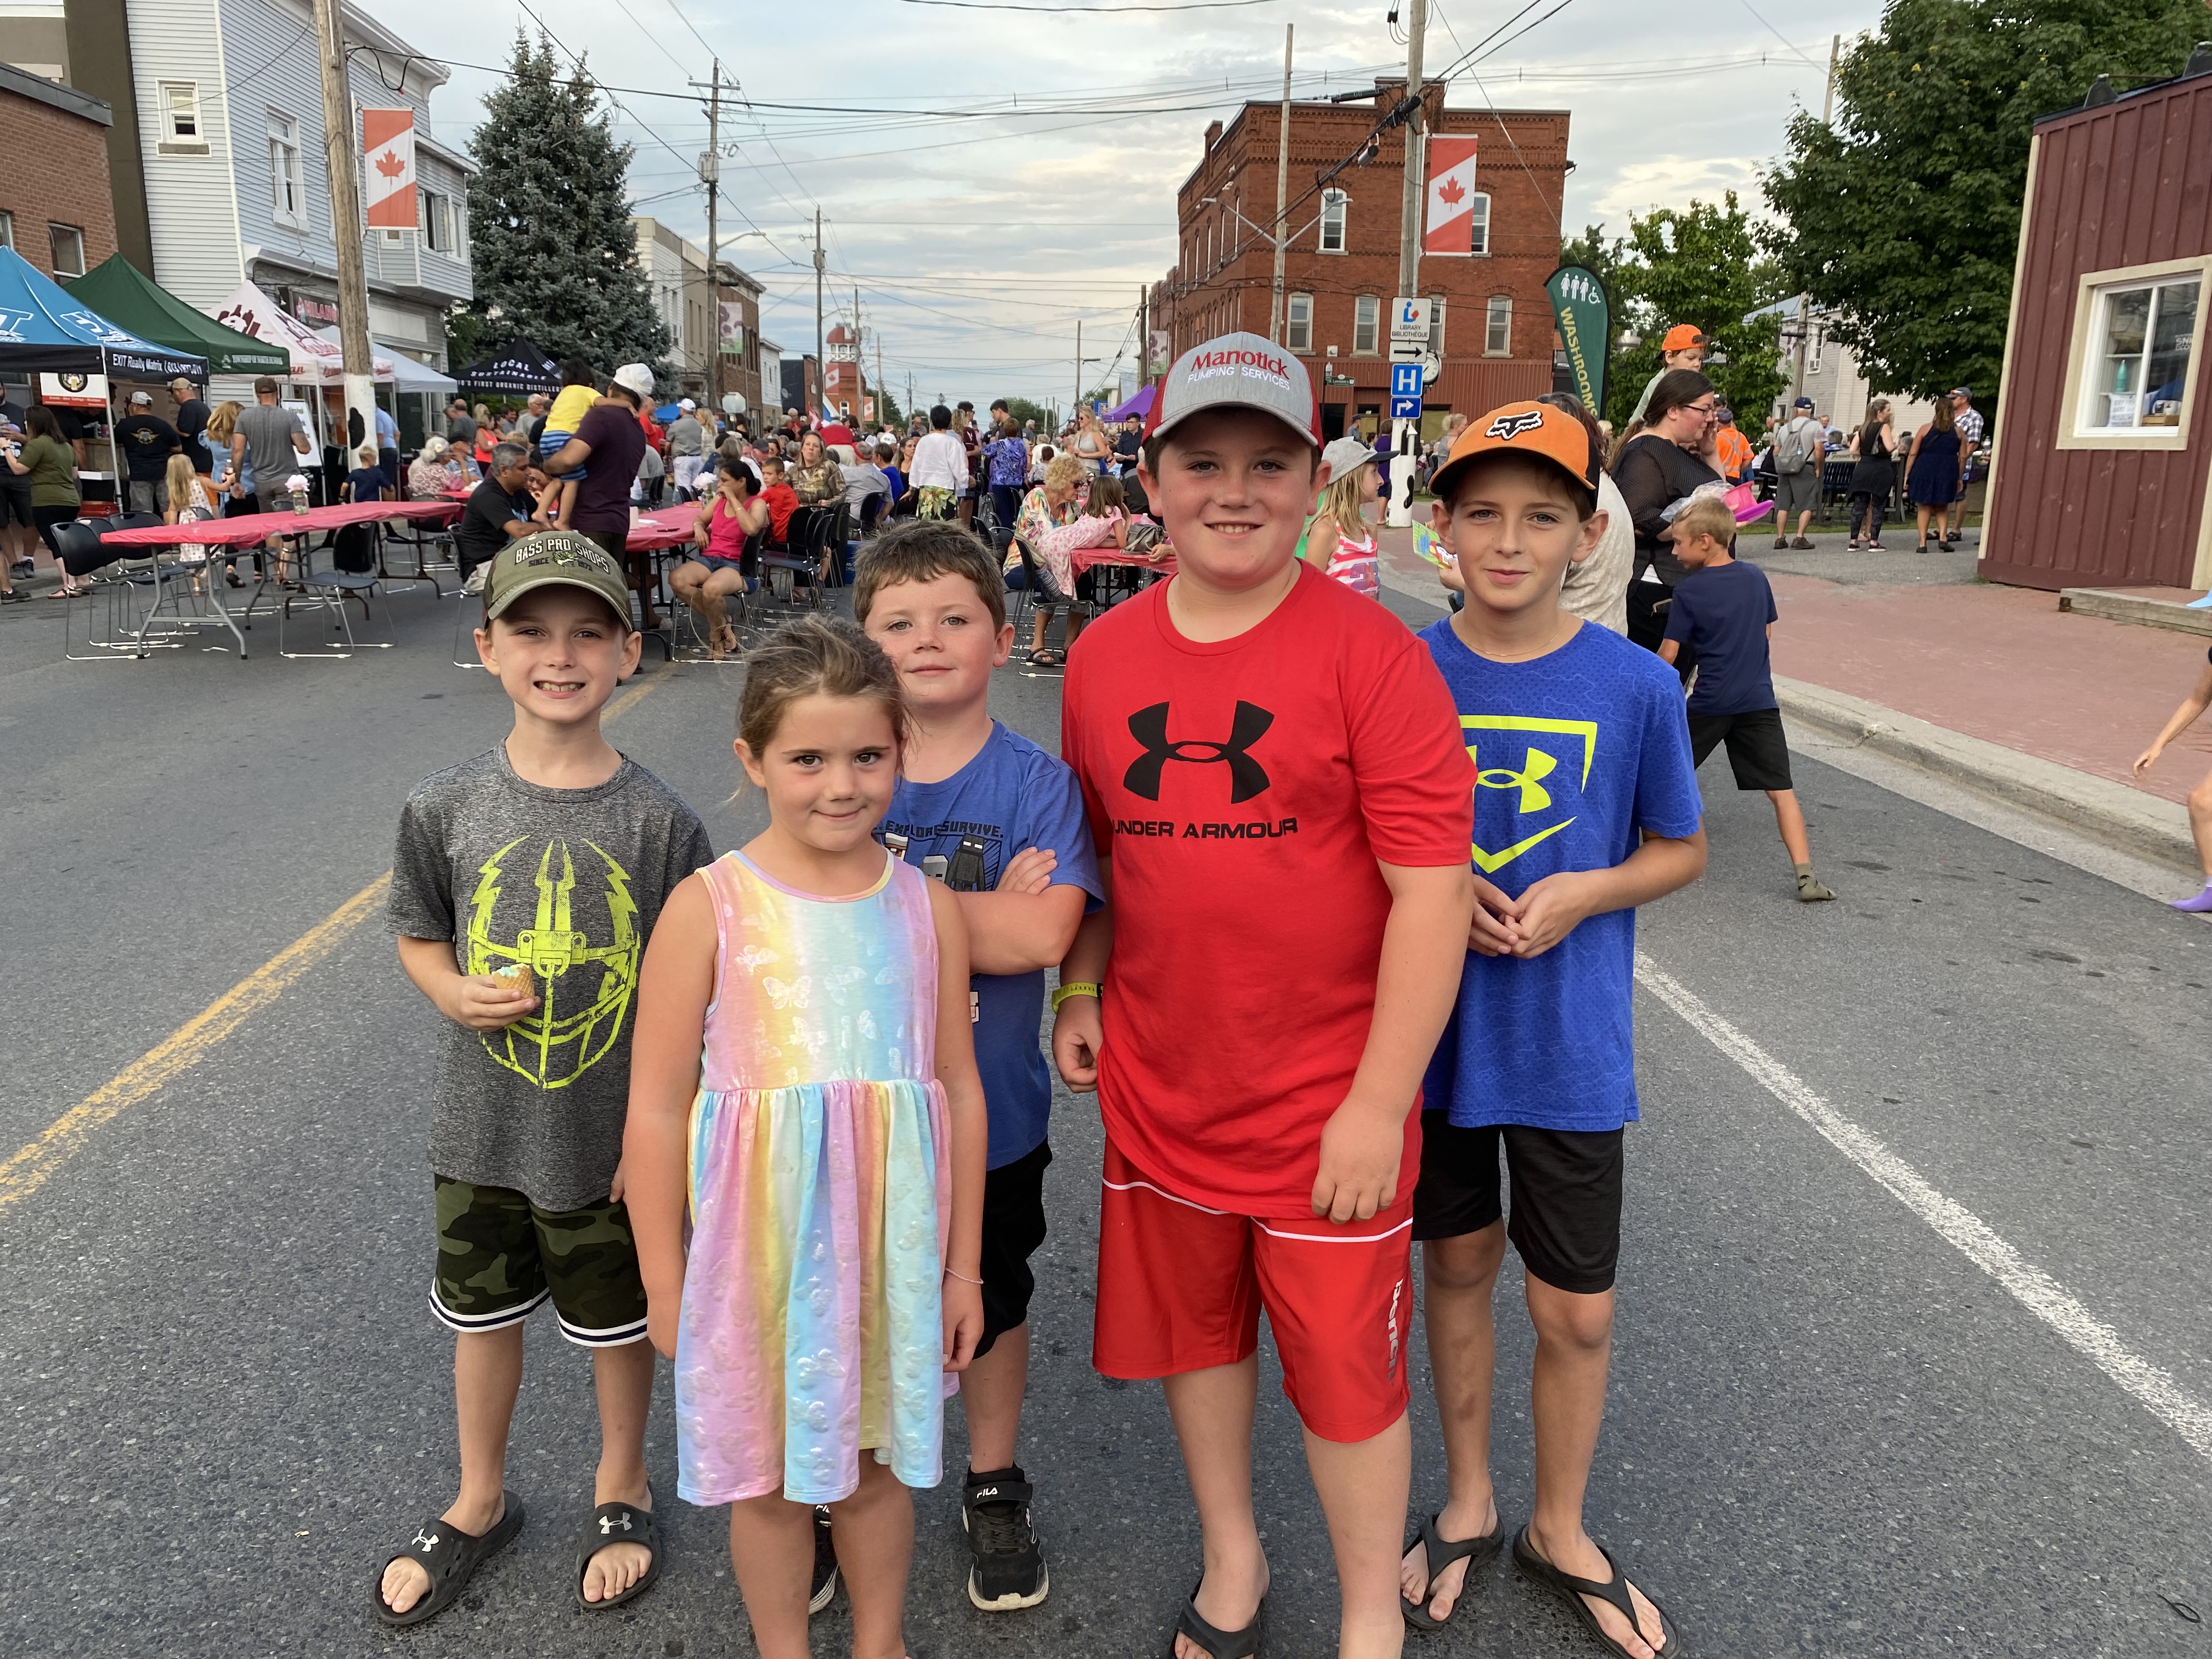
[
  {"x": 1008, "y": 1570},
  {"x": 824, "y": 1587}
]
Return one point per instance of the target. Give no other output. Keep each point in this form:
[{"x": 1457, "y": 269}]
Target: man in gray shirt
[
  {"x": 687, "y": 449},
  {"x": 271, "y": 436},
  {"x": 460, "y": 425}
]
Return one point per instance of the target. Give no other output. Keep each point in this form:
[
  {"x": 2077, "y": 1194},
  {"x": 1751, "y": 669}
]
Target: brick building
[
  {"x": 56, "y": 208},
  {"x": 1493, "y": 329}
]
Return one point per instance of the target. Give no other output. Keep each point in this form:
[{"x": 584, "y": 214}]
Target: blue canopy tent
[{"x": 44, "y": 330}]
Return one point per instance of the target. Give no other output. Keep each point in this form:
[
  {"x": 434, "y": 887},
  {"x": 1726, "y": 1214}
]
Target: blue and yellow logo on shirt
[{"x": 1526, "y": 769}]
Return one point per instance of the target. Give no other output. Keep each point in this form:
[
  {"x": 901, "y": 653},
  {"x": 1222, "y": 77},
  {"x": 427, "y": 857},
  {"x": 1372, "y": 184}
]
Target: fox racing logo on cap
[{"x": 1510, "y": 426}]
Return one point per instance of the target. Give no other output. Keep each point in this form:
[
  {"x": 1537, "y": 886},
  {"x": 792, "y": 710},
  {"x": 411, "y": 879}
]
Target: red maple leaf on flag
[
  {"x": 389, "y": 165},
  {"x": 1451, "y": 190}
]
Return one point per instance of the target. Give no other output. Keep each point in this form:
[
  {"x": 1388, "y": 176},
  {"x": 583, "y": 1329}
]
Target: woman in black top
[
  {"x": 1678, "y": 450},
  {"x": 1875, "y": 445}
]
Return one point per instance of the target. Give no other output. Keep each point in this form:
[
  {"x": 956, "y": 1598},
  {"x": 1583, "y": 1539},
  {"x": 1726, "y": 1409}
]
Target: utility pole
[
  {"x": 821, "y": 359},
  {"x": 1282, "y": 193},
  {"x": 879, "y": 379},
  {"x": 1079, "y": 362},
  {"x": 859, "y": 378},
  {"x": 710, "y": 169},
  {"x": 341, "y": 143},
  {"x": 1804, "y": 301},
  {"x": 1144, "y": 333},
  {"x": 1405, "y": 435}
]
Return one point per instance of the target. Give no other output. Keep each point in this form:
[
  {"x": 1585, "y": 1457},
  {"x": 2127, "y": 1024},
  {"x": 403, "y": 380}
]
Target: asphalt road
[{"x": 1831, "y": 1431}]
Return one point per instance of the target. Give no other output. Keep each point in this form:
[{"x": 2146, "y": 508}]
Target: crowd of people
[{"x": 804, "y": 1105}]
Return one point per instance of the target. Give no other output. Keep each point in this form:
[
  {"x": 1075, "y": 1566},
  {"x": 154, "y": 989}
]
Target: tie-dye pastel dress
[{"x": 821, "y": 1190}]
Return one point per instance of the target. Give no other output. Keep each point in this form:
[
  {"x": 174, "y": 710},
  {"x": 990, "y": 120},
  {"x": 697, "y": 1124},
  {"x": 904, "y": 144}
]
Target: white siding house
[{"x": 230, "y": 114}]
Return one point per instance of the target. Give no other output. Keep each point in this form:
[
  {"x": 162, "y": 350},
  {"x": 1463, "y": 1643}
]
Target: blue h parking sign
[{"x": 1405, "y": 392}]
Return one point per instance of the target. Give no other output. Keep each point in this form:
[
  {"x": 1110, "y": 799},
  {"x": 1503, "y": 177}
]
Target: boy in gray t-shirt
[{"x": 524, "y": 887}]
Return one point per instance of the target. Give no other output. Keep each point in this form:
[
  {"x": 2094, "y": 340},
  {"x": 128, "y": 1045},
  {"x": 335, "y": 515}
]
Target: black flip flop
[
  {"x": 1222, "y": 1644},
  {"x": 1440, "y": 1552},
  {"x": 1571, "y": 1589},
  {"x": 618, "y": 1524},
  {"x": 450, "y": 1556}
]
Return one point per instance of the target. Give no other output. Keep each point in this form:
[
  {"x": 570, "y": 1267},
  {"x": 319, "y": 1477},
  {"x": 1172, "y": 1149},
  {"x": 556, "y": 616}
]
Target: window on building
[
  {"x": 1436, "y": 324},
  {"x": 2135, "y": 365},
  {"x": 1297, "y": 322},
  {"x": 1334, "y": 204},
  {"x": 68, "y": 243},
  {"x": 434, "y": 213},
  {"x": 1812, "y": 349},
  {"x": 180, "y": 117},
  {"x": 1366, "y": 323},
  {"x": 6, "y": 229},
  {"x": 1497, "y": 327},
  {"x": 1481, "y": 244},
  {"x": 287, "y": 180}
]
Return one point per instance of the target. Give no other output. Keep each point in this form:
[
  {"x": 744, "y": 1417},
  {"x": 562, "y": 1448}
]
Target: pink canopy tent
[{"x": 315, "y": 362}]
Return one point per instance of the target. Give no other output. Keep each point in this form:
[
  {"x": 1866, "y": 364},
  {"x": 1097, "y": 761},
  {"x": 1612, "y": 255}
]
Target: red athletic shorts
[{"x": 1180, "y": 1287}]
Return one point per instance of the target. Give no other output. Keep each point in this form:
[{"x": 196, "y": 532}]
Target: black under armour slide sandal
[
  {"x": 450, "y": 1556},
  {"x": 1440, "y": 1552},
  {"x": 1222, "y": 1644},
  {"x": 618, "y": 1524},
  {"x": 1571, "y": 1589}
]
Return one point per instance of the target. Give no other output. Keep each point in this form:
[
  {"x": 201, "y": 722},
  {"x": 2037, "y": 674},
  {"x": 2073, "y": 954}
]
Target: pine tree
[{"x": 555, "y": 256}]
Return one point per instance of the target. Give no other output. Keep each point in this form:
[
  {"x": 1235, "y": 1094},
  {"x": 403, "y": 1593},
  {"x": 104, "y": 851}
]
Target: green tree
[
  {"x": 554, "y": 257},
  {"x": 1902, "y": 220},
  {"x": 1698, "y": 264},
  {"x": 1023, "y": 410}
]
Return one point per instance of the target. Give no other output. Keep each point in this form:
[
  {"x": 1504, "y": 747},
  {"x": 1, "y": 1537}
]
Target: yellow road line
[{"x": 184, "y": 1048}]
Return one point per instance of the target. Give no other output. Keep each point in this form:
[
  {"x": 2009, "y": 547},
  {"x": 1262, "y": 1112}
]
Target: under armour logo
[
  {"x": 1246, "y": 777},
  {"x": 424, "y": 1542},
  {"x": 1536, "y": 764},
  {"x": 1510, "y": 426},
  {"x": 609, "y": 1522}
]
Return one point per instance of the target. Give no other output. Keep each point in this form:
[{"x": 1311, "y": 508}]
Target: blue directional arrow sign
[{"x": 1405, "y": 392}]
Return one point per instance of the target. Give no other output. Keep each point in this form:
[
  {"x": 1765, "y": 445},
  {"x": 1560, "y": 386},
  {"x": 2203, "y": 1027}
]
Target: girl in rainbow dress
[{"x": 804, "y": 1161}]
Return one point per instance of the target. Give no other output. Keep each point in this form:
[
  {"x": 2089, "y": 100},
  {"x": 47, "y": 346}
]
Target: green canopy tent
[{"x": 119, "y": 291}]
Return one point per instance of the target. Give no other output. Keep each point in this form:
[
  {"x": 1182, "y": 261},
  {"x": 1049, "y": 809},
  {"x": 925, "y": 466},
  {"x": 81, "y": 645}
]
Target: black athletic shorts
[
  {"x": 1757, "y": 753},
  {"x": 1013, "y": 1227},
  {"x": 16, "y": 502},
  {"x": 1566, "y": 1195}
]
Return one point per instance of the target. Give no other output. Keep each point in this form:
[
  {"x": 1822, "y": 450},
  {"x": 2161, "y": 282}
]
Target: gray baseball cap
[
  {"x": 553, "y": 558},
  {"x": 1237, "y": 371}
]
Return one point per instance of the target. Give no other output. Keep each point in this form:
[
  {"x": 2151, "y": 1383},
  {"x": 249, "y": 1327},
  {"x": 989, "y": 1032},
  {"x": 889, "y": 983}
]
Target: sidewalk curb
[
  {"x": 2116, "y": 605},
  {"x": 2146, "y": 825}
]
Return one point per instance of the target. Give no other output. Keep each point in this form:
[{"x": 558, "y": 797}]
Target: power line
[{"x": 1102, "y": 11}]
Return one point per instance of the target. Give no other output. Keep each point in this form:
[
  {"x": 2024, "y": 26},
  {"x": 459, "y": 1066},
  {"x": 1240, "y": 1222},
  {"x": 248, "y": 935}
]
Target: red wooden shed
[{"x": 2104, "y": 454}]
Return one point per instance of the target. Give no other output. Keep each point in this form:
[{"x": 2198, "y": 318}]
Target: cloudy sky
[{"x": 989, "y": 176}]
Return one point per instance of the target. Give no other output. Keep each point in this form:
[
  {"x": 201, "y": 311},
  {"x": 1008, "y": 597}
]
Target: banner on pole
[
  {"x": 1583, "y": 311},
  {"x": 1448, "y": 228},
  {"x": 388, "y": 168},
  {"x": 732, "y": 329}
]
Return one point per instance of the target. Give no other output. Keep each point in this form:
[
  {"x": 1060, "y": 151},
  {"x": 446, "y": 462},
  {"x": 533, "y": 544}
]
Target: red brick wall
[
  {"x": 58, "y": 175},
  {"x": 1524, "y": 175}
]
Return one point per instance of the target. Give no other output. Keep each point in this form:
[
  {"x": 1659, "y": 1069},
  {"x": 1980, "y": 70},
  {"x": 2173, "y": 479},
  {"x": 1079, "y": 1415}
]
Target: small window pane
[
  {"x": 287, "y": 184},
  {"x": 2141, "y": 366},
  {"x": 1366, "y": 317},
  {"x": 1437, "y": 324},
  {"x": 2171, "y": 328},
  {"x": 1481, "y": 241},
  {"x": 1298, "y": 326},
  {"x": 69, "y": 249},
  {"x": 7, "y": 230},
  {"x": 180, "y": 110},
  {"x": 1333, "y": 202},
  {"x": 1498, "y": 338}
]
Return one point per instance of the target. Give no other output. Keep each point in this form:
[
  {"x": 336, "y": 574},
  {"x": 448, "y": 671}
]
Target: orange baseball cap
[
  {"x": 1681, "y": 337},
  {"x": 1539, "y": 430}
]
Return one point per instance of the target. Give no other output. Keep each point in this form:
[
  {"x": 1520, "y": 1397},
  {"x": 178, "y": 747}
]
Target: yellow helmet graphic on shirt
[
  {"x": 1532, "y": 784},
  {"x": 584, "y": 989}
]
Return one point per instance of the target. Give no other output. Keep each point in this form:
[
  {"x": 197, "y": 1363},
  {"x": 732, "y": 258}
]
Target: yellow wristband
[{"x": 1078, "y": 989}]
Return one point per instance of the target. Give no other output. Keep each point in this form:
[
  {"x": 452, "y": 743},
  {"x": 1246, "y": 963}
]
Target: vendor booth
[
  {"x": 316, "y": 374},
  {"x": 516, "y": 371},
  {"x": 418, "y": 393},
  {"x": 46, "y": 331}
]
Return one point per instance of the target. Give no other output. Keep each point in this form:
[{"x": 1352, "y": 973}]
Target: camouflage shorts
[
  {"x": 937, "y": 502},
  {"x": 500, "y": 1256}
]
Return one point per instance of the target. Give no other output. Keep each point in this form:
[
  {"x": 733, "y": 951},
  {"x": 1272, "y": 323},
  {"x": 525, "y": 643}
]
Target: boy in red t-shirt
[
  {"x": 1282, "y": 808},
  {"x": 781, "y": 499}
]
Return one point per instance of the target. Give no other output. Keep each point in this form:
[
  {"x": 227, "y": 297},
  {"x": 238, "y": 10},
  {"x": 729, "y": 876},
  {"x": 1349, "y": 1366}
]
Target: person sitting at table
[
  {"x": 727, "y": 518},
  {"x": 819, "y": 483},
  {"x": 366, "y": 482},
  {"x": 428, "y": 477},
  {"x": 1052, "y": 524},
  {"x": 499, "y": 510},
  {"x": 780, "y": 500}
]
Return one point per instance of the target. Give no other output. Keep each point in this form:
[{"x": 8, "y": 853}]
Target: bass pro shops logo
[
  {"x": 585, "y": 989},
  {"x": 1246, "y": 777}
]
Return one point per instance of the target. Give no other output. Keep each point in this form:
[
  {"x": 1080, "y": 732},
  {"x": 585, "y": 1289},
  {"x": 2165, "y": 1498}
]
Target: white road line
[{"x": 2035, "y": 1290}]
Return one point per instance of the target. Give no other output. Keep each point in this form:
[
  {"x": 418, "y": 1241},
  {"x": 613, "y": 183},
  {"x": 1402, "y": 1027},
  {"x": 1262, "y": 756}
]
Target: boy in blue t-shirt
[
  {"x": 1000, "y": 822},
  {"x": 1585, "y": 806},
  {"x": 1724, "y": 611}
]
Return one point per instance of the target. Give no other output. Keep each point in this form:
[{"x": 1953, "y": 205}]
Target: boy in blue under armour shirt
[
  {"x": 1000, "y": 822},
  {"x": 1586, "y": 806}
]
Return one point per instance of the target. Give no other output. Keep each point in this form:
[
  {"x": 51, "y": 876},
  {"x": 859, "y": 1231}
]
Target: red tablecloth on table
[
  {"x": 252, "y": 527},
  {"x": 665, "y": 527},
  {"x": 1084, "y": 557}
]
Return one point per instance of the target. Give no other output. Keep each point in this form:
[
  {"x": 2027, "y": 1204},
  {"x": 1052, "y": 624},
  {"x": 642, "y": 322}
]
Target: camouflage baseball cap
[
  {"x": 550, "y": 558},
  {"x": 1240, "y": 371}
]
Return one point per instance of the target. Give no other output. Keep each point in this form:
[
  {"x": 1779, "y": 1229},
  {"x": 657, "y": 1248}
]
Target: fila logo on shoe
[
  {"x": 983, "y": 1492},
  {"x": 1246, "y": 777}
]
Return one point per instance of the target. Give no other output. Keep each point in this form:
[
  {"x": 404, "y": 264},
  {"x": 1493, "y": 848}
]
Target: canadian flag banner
[
  {"x": 1450, "y": 227},
  {"x": 388, "y": 168}
]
